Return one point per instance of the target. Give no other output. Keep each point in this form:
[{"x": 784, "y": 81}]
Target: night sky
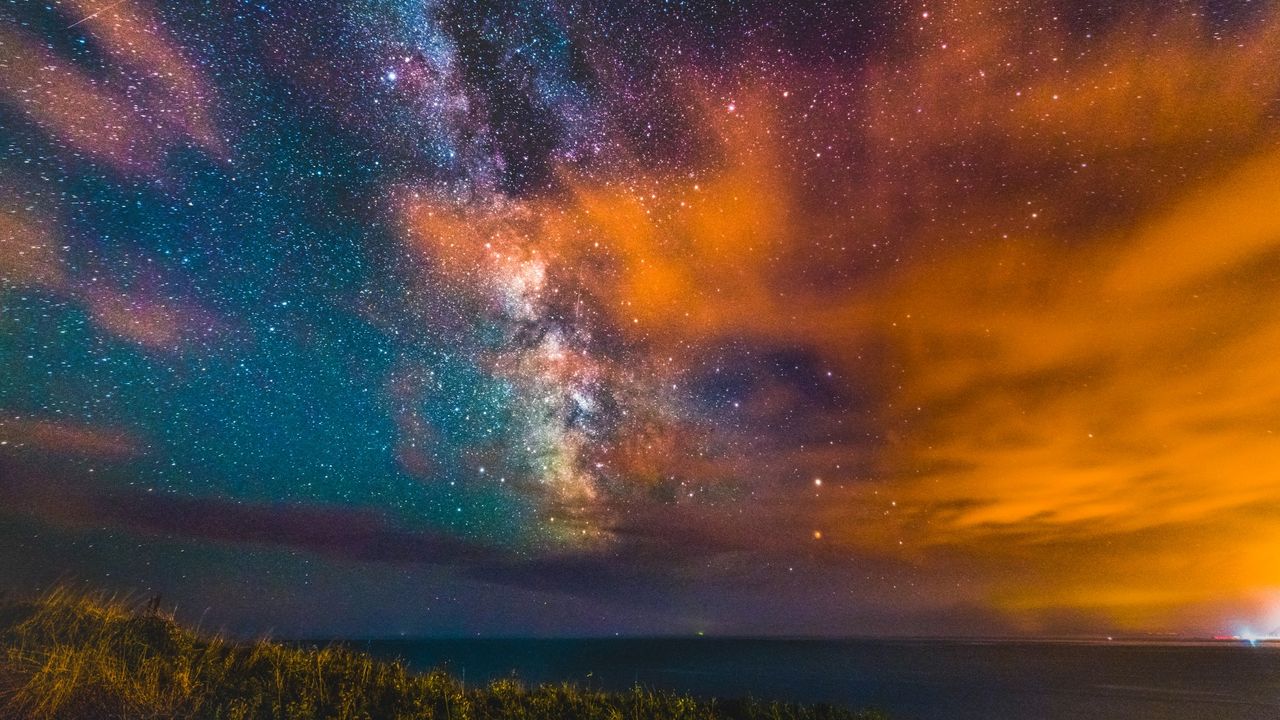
[{"x": 654, "y": 316}]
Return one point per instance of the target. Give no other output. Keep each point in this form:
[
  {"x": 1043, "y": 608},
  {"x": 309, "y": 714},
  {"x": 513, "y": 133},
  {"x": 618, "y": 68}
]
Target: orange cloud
[
  {"x": 157, "y": 323},
  {"x": 1054, "y": 277},
  {"x": 61, "y": 438},
  {"x": 128, "y": 120},
  {"x": 168, "y": 84},
  {"x": 28, "y": 255},
  {"x": 32, "y": 256},
  {"x": 69, "y": 105},
  {"x": 1126, "y": 389}
]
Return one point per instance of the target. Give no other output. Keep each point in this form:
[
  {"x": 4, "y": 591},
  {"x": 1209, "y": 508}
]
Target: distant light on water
[{"x": 1251, "y": 637}]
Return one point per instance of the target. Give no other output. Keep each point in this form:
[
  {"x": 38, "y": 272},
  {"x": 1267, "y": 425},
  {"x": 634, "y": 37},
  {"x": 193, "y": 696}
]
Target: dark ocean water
[{"x": 912, "y": 680}]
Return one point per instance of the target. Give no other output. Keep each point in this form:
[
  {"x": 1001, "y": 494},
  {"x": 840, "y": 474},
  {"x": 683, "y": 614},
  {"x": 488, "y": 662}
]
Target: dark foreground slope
[{"x": 69, "y": 656}]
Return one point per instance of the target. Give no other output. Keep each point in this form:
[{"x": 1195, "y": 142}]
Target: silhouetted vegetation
[{"x": 71, "y": 656}]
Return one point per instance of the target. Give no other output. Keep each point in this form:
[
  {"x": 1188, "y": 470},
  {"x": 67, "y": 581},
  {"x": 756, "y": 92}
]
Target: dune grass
[{"x": 73, "y": 656}]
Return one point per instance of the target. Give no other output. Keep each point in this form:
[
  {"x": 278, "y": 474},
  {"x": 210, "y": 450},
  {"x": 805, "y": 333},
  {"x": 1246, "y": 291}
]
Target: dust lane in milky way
[{"x": 378, "y": 317}]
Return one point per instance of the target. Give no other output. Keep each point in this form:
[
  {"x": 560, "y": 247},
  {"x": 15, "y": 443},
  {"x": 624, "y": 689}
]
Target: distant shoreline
[{"x": 1271, "y": 643}]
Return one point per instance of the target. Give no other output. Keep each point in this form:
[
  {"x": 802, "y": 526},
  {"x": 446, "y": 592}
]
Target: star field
[{"x": 539, "y": 317}]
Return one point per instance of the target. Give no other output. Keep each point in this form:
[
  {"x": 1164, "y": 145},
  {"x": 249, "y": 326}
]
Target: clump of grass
[{"x": 72, "y": 656}]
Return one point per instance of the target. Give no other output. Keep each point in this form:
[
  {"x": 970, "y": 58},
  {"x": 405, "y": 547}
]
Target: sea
[{"x": 908, "y": 679}]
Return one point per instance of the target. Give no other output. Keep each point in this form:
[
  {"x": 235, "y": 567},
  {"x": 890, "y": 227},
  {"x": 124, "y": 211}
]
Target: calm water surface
[{"x": 912, "y": 680}]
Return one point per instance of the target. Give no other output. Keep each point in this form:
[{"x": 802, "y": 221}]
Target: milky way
[{"x": 521, "y": 317}]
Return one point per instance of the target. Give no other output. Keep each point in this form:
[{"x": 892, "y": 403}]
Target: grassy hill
[{"x": 70, "y": 656}]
